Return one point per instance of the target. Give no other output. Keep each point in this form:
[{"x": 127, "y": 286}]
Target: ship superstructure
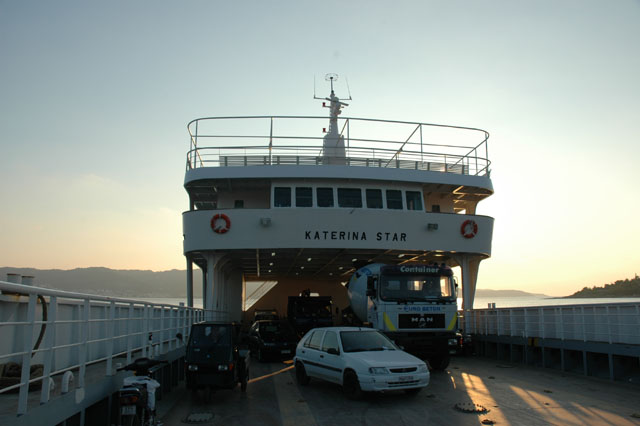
[{"x": 292, "y": 200}]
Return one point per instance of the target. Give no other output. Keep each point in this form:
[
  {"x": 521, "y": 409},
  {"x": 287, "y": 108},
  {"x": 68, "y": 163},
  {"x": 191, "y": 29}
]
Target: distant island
[
  {"x": 485, "y": 292},
  {"x": 110, "y": 282},
  {"x": 620, "y": 288}
]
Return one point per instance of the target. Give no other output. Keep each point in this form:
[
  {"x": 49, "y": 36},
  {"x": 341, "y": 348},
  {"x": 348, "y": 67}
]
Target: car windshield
[
  {"x": 209, "y": 335},
  {"x": 415, "y": 288},
  {"x": 360, "y": 341}
]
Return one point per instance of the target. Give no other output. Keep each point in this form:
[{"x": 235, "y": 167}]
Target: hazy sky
[{"x": 95, "y": 98}]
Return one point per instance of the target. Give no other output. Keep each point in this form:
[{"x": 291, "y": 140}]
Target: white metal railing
[
  {"x": 280, "y": 140},
  {"x": 66, "y": 331},
  {"x": 610, "y": 323}
]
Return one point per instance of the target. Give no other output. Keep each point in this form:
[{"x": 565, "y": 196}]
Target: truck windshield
[{"x": 415, "y": 287}]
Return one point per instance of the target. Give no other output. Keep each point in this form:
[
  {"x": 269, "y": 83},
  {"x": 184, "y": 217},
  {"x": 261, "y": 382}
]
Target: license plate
[
  {"x": 128, "y": 410},
  {"x": 406, "y": 378},
  {"x": 285, "y": 351}
]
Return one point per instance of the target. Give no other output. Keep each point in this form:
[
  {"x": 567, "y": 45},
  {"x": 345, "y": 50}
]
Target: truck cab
[{"x": 413, "y": 304}]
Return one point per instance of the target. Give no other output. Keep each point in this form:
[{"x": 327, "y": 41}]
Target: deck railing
[
  {"x": 607, "y": 323},
  {"x": 67, "y": 331},
  {"x": 282, "y": 140}
]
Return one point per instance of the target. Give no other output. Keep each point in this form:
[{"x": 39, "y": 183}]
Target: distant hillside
[
  {"x": 485, "y": 292},
  {"x": 620, "y": 288},
  {"x": 137, "y": 283},
  {"x": 109, "y": 282}
]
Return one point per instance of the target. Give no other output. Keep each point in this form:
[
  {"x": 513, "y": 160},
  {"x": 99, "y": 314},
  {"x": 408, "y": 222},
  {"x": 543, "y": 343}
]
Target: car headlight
[
  {"x": 192, "y": 367},
  {"x": 453, "y": 342},
  {"x": 422, "y": 368},
  {"x": 378, "y": 370},
  {"x": 223, "y": 367}
]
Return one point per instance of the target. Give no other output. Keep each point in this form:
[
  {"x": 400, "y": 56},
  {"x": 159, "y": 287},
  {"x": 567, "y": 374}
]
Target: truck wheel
[
  {"x": 439, "y": 363},
  {"x": 301, "y": 374},
  {"x": 351, "y": 385}
]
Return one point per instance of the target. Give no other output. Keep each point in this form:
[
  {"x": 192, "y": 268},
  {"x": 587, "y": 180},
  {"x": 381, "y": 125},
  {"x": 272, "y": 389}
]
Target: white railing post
[
  {"x": 84, "y": 333},
  {"x": 110, "y": 333},
  {"x": 162, "y": 328},
  {"x": 26, "y": 355},
  {"x": 541, "y": 322},
  {"x": 510, "y": 322},
  {"x": 130, "y": 327},
  {"x": 144, "y": 329},
  {"x": 50, "y": 342}
]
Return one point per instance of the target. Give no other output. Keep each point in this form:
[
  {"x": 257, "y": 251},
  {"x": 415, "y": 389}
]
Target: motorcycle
[{"x": 137, "y": 402}]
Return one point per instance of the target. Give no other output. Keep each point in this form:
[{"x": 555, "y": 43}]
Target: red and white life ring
[
  {"x": 469, "y": 229},
  {"x": 218, "y": 228}
]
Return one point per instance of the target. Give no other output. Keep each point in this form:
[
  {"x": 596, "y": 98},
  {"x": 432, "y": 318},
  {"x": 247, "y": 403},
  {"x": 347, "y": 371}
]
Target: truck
[
  {"x": 415, "y": 305},
  {"x": 305, "y": 312}
]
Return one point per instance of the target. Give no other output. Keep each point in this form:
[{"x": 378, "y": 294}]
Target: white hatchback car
[{"x": 360, "y": 359}]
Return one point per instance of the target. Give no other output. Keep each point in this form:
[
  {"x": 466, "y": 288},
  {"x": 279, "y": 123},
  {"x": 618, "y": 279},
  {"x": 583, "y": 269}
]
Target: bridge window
[
  {"x": 374, "y": 198},
  {"x": 349, "y": 197},
  {"x": 281, "y": 196},
  {"x": 394, "y": 199},
  {"x": 414, "y": 201},
  {"x": 304, "y": 197},
  {"x": 324, "y": 197}
]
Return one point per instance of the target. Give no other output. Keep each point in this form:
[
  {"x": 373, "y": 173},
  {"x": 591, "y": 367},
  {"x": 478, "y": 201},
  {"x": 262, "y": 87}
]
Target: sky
[{"x": 95, "y": 98}]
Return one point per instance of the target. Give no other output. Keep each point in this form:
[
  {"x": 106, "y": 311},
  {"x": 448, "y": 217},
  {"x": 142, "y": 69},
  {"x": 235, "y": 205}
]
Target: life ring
[
  {"x": 220, "y": 229},
  {"x": 469, "y": 229}
]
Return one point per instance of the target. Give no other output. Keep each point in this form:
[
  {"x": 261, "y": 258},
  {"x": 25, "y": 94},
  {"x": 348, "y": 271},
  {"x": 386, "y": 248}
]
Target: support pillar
[
  {"x": 469, "y": 266},
  {"x": 189, "y": 282}
]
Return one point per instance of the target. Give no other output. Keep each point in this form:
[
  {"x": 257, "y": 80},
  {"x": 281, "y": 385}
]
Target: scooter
[{"x": 136, "y": 397}]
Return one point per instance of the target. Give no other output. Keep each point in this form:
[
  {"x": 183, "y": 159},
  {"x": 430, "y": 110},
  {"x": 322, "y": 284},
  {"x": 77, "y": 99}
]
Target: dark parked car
[
  {"x": 275, "y": 338},
  {"x": 216, "y": 357}
]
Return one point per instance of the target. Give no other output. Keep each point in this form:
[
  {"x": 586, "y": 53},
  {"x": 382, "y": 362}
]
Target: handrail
[
  {"x": 108, "y": 327},
  {"x": 360, "y": 133}
]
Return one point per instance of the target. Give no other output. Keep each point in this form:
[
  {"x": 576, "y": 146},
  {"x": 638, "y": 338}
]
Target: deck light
[
  {"x": 432, "y": 226},
  {"x": 265, "y": 221}
]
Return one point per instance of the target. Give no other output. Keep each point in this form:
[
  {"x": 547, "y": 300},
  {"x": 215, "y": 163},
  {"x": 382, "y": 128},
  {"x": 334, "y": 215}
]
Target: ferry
[{"x": 299, "y": 202}]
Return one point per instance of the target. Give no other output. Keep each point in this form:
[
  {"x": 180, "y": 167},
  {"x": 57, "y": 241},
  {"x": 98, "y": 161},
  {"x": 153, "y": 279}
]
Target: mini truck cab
[
  {"x": 216, "y": 357},
  {"x": 414, "y": 304}
]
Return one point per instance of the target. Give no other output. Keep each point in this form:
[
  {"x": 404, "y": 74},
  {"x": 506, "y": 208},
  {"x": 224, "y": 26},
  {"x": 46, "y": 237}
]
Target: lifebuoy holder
[
  {"x": 469, "y": 228},
  {"x": 215, "y": 223}
]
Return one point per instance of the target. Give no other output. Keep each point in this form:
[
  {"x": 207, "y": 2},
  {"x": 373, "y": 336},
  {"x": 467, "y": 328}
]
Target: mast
[{"x": 333, "y": 149}]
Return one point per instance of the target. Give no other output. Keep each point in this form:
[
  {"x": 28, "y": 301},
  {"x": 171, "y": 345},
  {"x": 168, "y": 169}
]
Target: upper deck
[
  {"x": 238, "y": 166},
  {"x": 357, "y": 147}
]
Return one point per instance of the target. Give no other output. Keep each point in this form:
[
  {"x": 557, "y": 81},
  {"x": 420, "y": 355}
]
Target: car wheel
[
  {"x": 413, "y": 391},
  {"x": 351, "y": 385},
  {"x": 301, "y": 374}
]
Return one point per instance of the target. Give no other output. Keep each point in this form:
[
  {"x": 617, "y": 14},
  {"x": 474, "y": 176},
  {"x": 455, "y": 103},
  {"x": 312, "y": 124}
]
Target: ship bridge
[{"x": 300, "y": 201}]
